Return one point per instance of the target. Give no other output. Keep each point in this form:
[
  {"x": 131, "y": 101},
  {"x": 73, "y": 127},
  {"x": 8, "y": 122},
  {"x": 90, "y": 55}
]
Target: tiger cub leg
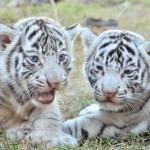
[
  {"x": 50, "y": 134},
  {"x": 91, "y": 125},
  {"x": 141, "y": 127},
  {"x": 16, "y": 133},
  {"x": 11, "y": 124},
  {"x": 46, "y": 127},
  {"x": 41, "y": 131}
]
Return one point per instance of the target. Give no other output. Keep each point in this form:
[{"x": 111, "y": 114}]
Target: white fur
[
  {"x": 32, "y": 121},
  {"x": 109, "y": 119}
]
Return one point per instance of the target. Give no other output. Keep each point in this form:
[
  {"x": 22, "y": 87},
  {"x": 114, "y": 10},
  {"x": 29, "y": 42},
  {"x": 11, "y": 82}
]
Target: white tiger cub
[
  {"x": 35, "y": 62},
  {"x": 118, "y": 73},
  {"x": 144, "y": 113}
]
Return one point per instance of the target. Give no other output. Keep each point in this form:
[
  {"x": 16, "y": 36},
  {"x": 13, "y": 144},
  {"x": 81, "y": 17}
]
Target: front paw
[
  {"x": 67, "y": 139},
  {"x": 71, "y": 127},
  {"x": 83, "y": 127},
  {"x": 50, "y": 139},
  {"x": 15, "y": 134}
]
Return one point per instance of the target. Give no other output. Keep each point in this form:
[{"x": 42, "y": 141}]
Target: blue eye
[
  {"x": 62, "y": 57},
  {"x": 34, "y": 59}
]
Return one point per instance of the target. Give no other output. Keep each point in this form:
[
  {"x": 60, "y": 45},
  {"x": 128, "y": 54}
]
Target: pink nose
[
  {"x": 109, "y": 94},
  {"x": 55, "y": 85}
]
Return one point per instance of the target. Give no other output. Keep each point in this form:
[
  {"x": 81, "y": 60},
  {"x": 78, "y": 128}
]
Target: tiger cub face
[
  {"x": 115, "y": 69},
  {"x": 38, "y": 57}
]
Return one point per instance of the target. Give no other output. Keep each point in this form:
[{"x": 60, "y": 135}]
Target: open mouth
[{"x": 45, "y": 97}]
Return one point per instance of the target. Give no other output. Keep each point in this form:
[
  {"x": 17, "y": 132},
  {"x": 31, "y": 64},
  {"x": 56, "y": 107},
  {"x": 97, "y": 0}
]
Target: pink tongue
[{"x": 45, "y": 97}]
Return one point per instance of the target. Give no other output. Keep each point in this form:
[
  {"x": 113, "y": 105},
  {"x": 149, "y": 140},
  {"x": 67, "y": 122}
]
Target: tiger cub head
[
  {"x": 115, "y": 69},
  {"x": 38, "y": 58}
]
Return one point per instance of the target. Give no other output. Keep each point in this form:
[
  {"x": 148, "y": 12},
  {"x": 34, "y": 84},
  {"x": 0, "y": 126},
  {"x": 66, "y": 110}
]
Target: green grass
[{"x": 78, "y": 95}]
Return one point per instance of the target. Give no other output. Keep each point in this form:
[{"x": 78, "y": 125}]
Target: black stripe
[
  {"x": 127, "y": 39},
  {"x": 29, "y": 26},
  {"x": 45, "y": 42},
  {"x": 113, "y": 36},
  {"x": 12, "y": 89},
  {"x": 101, "y": 130},
  {"x": 129, "y": 49},
  {"x": 104, "y": 45},
  {"x": 121, "y": 48},
  {"x": 70, "y": 131},
  {"x": 135, "y": 77},
  {"x": 57, "y": 32},
  {"x": 20, "y": 50},
  {"x": 131, "y": 85},
  {"x": 139, "y": 63},
  {"x": 29, "y": 74},
  {"x": 40, "y": 81},
  {"x": 76, "y": 129},
  {"x": 16, "y": 61},
  {"x": 8, "y": 61},
  {"x": 84, "y": 134},
  {"x": 143, "y": 73},
  {"x": 27, "y": 29},
  {"x": 119, "y": 54},
  {"x": 60, "y": 44},
  {"x": 28, "y": 62},
  {"x": 130, "y": 76},
  {"x": 132, "y": 65},
  {"x": 24, "y": 65},
  {"x": 14, "y": 92},
  {"x": 33, "y": 34},
  {"x": 110, "y": 53},
  {"x": 101, "y": 54},
  {"x": 35, "y": 45},
  {"x": 65, "y": 63},
  {"x": 24, "y": 73},
  {"x": 16, "y": 66}
]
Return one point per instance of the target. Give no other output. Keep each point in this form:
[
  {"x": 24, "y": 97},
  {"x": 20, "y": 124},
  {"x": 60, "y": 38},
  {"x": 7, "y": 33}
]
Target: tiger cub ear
[
  {"x": 144, "y": 49},
  {"x": 6, "y": 36},
  {"x": 73, "y": 31},
  {"x": 88, "y": 38}
]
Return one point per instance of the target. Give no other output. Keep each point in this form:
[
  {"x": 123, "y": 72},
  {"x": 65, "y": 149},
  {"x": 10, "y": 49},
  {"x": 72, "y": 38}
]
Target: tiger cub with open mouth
[{"x": 35, "y": 62}]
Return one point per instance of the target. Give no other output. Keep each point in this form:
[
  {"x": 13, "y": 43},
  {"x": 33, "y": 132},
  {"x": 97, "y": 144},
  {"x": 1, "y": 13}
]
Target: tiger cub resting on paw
[
  {"x": 35, "y": 62},
  {"x": 119, "y": 76}
]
